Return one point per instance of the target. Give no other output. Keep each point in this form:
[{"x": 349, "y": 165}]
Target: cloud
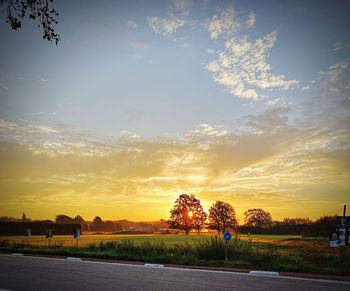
[
  {"x": 6, "y": 126},
  {"x": 335, "y": 71},
  {"x": 3, "y": 86},
  {"x": 181, "y": 5},
  {"x": 272, "y": 161},
  {"x": 271, "y": 120},
  {"x": 243, "y": 69},
  {"x": 274, "y": 101},
  {"x": 226, "y": 24},
  {"x": 250, "y": 20},
  {"x": 41, "y": 80},
  {"x": 340, "y": 46},
  {"x": 132, "y": 24},
  {"x": 210, "y": 51},
  {"x": 165, "y": 26}
]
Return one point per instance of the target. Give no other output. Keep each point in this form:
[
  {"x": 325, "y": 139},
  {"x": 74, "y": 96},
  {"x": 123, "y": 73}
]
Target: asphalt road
[{"x": 38, "y": 273}]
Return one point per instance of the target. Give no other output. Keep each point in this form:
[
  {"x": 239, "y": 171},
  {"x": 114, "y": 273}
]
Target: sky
[{"x": 246, "y": 102}]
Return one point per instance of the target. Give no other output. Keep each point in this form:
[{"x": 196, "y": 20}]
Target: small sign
[
  {"x": 343, "y": 230},
  {"x": 77, "y": 233},
  {"x": 48, "y": 233},
  {"x": 333, "y": 240},
  {"x": 27, "y": 232},
  {"x": 227, "y": 236}
]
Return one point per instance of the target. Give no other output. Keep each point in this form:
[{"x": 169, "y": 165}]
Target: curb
[{"x": 264, "y": 273}]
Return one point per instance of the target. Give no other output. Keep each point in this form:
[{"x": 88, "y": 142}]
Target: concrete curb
[
  {"x": 264, "y": 273},
  {"x": 154, "y": 265}
]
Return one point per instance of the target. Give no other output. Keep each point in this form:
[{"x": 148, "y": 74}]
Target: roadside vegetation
[{"x": 291, "y": 254}]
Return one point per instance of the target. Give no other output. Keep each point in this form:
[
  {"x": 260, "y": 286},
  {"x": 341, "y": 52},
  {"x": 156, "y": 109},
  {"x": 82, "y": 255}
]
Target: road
[{"x": 39, "y": 273}]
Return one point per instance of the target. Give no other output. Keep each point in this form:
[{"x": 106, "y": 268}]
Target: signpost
[
  {"x": 227, "y": 237},
  {"x": 48, "y": 236},
  {"x": 341, "y": 230},
  {"x": 27, "y": 234},
  {"x": 341, "y": 236},
  {"x": 76, "y": 235}
]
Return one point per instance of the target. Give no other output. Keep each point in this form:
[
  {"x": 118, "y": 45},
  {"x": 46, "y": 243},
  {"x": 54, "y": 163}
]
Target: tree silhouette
[
  {"x": 38, "y": 10},
  {"x": 78, "y": 219},
  {"x": 297, "y": 221},
  {"x": 62, "y": 218},
  {"x": 221, "y": 216},
  {"x": 97, "y": 223},
  {"x": 187, "y": 214},
  {"x": 257, "y": 217}
]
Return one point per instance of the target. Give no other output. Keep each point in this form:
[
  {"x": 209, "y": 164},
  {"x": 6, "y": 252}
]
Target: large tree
[
  {"x": 257, "y": 217},
  {"x": 222, "y": 216},
  {"x": 37, "y": 10},
  {"x": 187, "y": 214}
]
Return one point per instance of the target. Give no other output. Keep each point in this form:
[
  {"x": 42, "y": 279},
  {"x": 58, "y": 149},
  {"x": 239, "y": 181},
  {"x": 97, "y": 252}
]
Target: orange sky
[{"x": 139, "y": 179}]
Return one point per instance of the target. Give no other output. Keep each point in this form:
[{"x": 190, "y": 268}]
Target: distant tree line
[
  {"x": 187, "y": 214},
  {"x": 11, "y": 227},
  {"x": 97, "y": 224}
]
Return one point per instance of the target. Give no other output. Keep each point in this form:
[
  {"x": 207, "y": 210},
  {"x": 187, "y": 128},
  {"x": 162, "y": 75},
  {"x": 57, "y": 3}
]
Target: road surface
[{"x": 39, "y": 273}]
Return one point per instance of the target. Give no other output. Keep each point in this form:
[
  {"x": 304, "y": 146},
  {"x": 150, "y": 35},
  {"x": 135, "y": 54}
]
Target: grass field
[
  {"x": 169, "y": 239},
  {"x": 267, "y": 252}
]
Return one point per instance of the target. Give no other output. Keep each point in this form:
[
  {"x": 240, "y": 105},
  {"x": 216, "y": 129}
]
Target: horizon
[{"x": 243, "y": 102}]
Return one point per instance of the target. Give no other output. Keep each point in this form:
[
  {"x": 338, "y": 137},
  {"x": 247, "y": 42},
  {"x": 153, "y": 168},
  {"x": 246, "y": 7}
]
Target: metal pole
[
  {"x": 344, "y": 210},
  {"x": 226, "y": 251}
]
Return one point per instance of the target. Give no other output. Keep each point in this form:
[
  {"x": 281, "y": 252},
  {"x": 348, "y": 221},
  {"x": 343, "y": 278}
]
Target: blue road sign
[{"x": 227, "y": 236}]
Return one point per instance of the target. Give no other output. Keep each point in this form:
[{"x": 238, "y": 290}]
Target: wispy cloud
[
  {"x": 226, "y": 24},
  {"x": 251, "y": 20},
  {"x": 132, "y": 24},
  {"x": 8, "y": 126},
  {"x": 340, "y": 46},
  {"x": 165, "y": 26},
  {"x": 335, "y": 71},
  {"x": 3, "y": 86},
  {"x": 243, "y": 68},
  {"x": 41, "y": 80}
]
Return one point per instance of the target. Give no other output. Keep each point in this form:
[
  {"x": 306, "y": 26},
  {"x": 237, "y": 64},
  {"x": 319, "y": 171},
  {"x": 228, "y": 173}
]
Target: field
[
  {"x": 169, "y": 239},
  {"x": 267, "y": 252}
]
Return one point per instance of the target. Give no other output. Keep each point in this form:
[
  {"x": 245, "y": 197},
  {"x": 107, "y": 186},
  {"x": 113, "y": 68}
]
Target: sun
[{"x": 190, "y": 214}]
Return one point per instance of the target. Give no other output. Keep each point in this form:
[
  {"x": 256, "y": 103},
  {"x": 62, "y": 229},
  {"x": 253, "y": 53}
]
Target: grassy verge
[{"x": 207, "y": 252}]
